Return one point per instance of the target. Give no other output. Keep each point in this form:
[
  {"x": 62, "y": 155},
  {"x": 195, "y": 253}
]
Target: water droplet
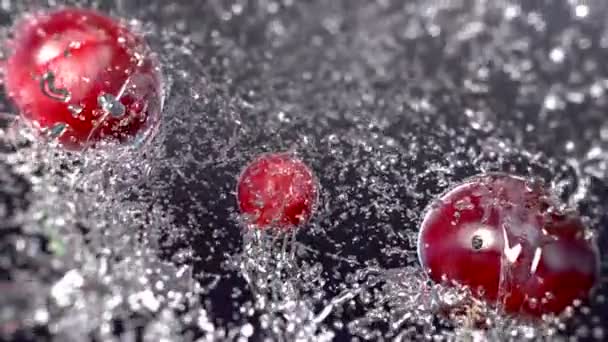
[
  {"x": 57, "y": 130},
  {"x": 598, "y": 333},
  {"x": 479, "y": 120},
  {"x": 575, "y": 97},
  {"x": 596, "y": 90},
  {"x": 111, "y": 105},
  {"x": 554, "y": 102},
  {"x": 464, "y": 204},
  {"x": 570, "y": 146},
  {"x": 247, "y": 330},
  {"x": 512, "y": 11},
  {"x": 557, "y": 55},
  {"x": 604, "y": 132},
  {"x": 283, "y": 117},
  {"x": 75, "y": 110},
  {"x": 581, "y": 11}
]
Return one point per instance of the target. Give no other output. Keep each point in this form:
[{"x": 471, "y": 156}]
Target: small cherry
[
  {"x": 506, "y": 239},
  {"x": 277, "y": 191},
  {"x": 83, "y": 77}
]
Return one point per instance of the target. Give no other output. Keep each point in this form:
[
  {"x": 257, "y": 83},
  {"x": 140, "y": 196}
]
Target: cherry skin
[
  {"x": 83, "y": 77},
  {"x": 506, "y": 240},
  {"x": 277, "y": 191}
]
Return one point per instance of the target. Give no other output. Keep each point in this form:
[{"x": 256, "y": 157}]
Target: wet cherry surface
[
  {"x": 83, "y": 77},
  {"x": 277, "y": 190},
  {"x": 505, "y": 238}
]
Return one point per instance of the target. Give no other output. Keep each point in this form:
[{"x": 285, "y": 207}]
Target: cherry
[
  {"x": 277, "y": 191},
  {"x": 83, "y": 77},
  {"x": 506, "y": 239}
]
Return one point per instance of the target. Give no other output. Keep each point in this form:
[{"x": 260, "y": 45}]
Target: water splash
[{"x": 391, "y": 102}]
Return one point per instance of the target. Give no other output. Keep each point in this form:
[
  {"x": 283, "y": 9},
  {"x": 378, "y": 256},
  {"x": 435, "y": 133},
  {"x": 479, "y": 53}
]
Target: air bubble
[
  {"x": 48, "y": 87},
  {"x": 557, "y": 55},
  {"x": 110, "y": 105},
  {"x": 581, "y": 11},
  {"x": 57, "y": 130},
  {"x": 75, "y": 110}
]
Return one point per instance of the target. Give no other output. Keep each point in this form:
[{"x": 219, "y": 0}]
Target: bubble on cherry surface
[
  {"x": 109, "y": 104},
  {"x": 391, "y": 103},
  {"x": 49, "y": 89}
]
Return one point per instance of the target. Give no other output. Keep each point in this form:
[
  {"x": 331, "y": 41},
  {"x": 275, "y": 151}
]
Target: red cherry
[
  {"x": 83, "y": 77},
  {"x": 505, "y": 239},
  {"x": 277, "y": 190}
]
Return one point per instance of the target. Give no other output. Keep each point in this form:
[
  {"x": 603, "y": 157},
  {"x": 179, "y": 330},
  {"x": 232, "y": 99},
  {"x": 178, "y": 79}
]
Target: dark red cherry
[
  {"x": 277, "y": 190},
  {"x": 505, "y": 239},
  {"x": 83, "y": 77}
]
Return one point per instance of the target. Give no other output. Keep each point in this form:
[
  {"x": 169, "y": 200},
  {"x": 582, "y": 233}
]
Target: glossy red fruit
[
  {"x": 277, "y": 191},
  {"x": 83, "y": 77},
  {"x": 504, "y": 238}
]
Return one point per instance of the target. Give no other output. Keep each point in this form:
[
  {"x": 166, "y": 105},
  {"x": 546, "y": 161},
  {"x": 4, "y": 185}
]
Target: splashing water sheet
[{"x": 391, "y": 103}]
